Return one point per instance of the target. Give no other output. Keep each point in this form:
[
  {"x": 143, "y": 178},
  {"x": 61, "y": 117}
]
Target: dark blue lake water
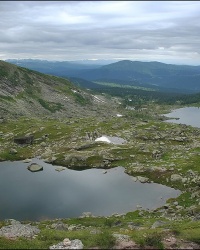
[{"x": 49, "y": 194}]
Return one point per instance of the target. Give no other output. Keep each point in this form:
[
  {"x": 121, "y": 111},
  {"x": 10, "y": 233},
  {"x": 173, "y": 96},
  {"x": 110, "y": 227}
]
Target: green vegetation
[
  {"x": 53, "y": 107},
  {"x": 153, "y": 239},
  {"x": 6, "y": 98},
  {"x": 138, "y": 150},
  {"x": 3, "y": 72},
  {"x": 104, "y": 240},
  {"x": 153, "y": 149},
  {"x": 80, "y": 99}
]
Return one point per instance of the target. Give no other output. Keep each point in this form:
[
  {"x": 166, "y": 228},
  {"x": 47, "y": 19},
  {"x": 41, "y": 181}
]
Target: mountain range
[{"x": 180, "y": 78}]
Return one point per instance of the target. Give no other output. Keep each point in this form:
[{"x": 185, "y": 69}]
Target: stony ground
[{"x": 154, "y": 151}]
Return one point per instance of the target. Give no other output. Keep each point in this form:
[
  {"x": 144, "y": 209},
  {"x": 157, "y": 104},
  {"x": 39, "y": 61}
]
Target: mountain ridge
[
  {"x": 153, "y": 73},
  {"x": 31, "y": 93}
]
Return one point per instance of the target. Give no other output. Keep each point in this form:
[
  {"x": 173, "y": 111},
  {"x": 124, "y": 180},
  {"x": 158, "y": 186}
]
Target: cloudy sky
[{"x": 165, "y": 31}]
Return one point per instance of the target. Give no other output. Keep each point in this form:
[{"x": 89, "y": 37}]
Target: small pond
[
  {"x": 49, "y": 194},
  {"x": 111, "y": 139},
  {"x": 188, "y": 116}
]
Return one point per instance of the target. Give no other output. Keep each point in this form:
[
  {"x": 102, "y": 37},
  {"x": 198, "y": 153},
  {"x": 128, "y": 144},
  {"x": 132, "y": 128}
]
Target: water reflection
[
  {"x": 51, "y": 194},
  {"x": 188, "y": 116}
]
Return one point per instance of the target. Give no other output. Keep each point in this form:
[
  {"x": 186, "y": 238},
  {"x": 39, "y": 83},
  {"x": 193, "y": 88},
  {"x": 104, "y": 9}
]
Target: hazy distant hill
[
  {"x": 178, "y": 77},
  {"x": 154, "y": 73},
  {"x": 56, "y": 68},
  {"x": 30, "y": 93}
]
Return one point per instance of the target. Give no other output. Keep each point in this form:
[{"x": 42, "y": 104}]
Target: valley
[{"x": 65, "y": 120}]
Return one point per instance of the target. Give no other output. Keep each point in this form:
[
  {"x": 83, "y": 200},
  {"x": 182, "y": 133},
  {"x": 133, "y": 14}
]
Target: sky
[{"x": 164, "y": 31}]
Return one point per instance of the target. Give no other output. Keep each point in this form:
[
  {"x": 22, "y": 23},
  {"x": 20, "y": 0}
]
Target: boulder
[
  {"x": 24, "y": 140},
  {"x": 59, "y": 226},
  {"x": 43, "y": 144},
  {"x": 142, "y": 179},
  {"x": 34, "y": 167},
  {"x": 60, "y": 168},
  {"x": 176, "y": 177},
  {"x": 121, "y": 237},
  {"x": 27, "y": 160},
  {"x": 13, "y": 151}
]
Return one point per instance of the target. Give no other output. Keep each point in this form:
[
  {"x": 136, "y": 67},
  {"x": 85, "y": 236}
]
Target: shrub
[
  {"x": 105, "y": 240},
  {"x": 153, "y": 239}
]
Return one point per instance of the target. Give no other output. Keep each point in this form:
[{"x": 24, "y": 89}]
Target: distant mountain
[
  {"x": 56, "y": 68},
  {"x": 25, "y": 92},
  {"x": 168, "y": 77},
  {"x": 94, "y": 62},
  {"x": 154, "y": 73}
]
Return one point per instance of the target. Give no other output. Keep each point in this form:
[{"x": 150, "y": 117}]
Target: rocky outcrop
[
  {"x": 68, "y": 244},
  {"x": 124, "y": 242},
  {"x": 16, "y": 229}
]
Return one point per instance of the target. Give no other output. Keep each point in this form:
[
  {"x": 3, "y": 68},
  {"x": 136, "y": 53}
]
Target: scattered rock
[
  {"x": 50, "y": 159},
  {"x": 95, "y": 231},
  {"x": 27, "y": 160},
  {"x": 68, "y": 244},
  {"x": 170, "y": 242},
  {"x": 167, "y": 205},
  {"x": 142, "y": 179},
  {"x": 59, "y": 226},
  {"x": 191, "y": 172},
  {"x": 121, "y": 237},
  {"x": 59, "y": 169},
  {"x": 158, "y": 224},
  {"x": 87, "y": 214},
  {"x": 75, "y": 227}
]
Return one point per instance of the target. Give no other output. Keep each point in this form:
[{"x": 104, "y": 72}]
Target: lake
[
  {"x": 188, "y": 116},
  {"x": 49, "y": 194}
]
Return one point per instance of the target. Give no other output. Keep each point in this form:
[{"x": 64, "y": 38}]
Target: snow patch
[
  {"x": 103, "y": 138},
  {"x": 111, "y": 139}
]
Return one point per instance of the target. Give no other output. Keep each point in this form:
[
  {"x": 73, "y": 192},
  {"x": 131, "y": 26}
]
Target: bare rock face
[
  {"x": 68, "y": 244},
  {"x": 34, "y": 167}
]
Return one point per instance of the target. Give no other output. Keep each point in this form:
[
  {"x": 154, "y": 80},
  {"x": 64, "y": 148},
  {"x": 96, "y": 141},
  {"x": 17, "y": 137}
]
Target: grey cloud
[{"x": 102, "y": 29}]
